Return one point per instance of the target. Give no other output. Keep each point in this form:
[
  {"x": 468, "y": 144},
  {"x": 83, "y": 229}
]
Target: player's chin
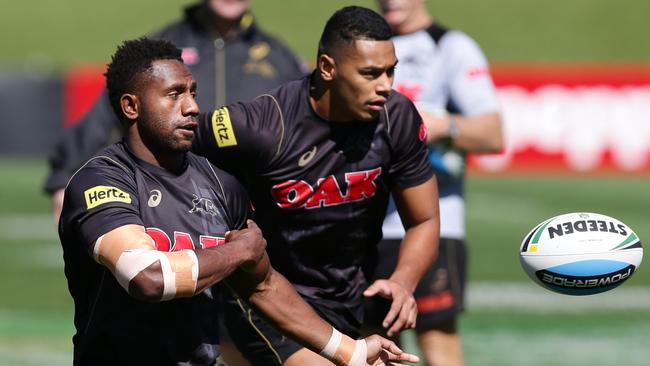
[
  {"x": 368, "y": 115},
  {"x": 182, "y": 145}
]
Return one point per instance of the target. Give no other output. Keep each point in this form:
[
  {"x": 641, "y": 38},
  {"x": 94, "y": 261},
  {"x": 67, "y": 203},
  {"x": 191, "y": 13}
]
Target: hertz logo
[
  {"x": 99, "y": 195},
  {"x": 222, "y": 128}
]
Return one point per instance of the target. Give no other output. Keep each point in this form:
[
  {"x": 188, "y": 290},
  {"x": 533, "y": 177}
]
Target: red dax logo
[
  {"x": 299, "y": 194},
  {"x": 181, "y": 240}
]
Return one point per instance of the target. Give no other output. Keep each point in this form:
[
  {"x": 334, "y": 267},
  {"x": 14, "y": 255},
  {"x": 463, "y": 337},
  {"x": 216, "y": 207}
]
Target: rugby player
[
  {"x": 223, "y": 46},
  {"x": 319, "y": 157},
  {"x": 447, "y": 76},
  {"x": 148, "y": 228}
]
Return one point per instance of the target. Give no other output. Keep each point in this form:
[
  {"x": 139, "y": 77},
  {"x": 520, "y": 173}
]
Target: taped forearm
[
  {"x": 343, "y": 350},
  {"x": 128, "y": 251}
]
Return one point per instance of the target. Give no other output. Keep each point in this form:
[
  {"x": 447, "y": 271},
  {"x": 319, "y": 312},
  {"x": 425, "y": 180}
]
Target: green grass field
[
  {"x": 510, "y": 320},
  {"x": 44, "y": 33}
]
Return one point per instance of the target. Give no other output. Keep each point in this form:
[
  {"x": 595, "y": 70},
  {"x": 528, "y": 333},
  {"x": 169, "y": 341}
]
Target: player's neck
[
  {"x": 324, "y": 104},
  {"x": 172, "y": 161},
  {"x": 319, "y": 98},
  {"x": 419, "y": 20}
]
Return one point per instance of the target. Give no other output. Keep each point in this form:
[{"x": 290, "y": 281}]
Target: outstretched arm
[
  {"x": 275, "y": 298},
  {"x": 418, "y": 207}
]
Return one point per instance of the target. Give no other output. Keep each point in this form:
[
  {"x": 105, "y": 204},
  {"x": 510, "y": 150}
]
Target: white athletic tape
[
  {"x": 169, "y": 279},
  {"x": 360, "y": 354},
  {"x": 195, "y": 266},
  {"x": 132, "y": 262},
  {"x": 345, "y": 350},
  {"x": 127, "y": 251},
  {"x": 330, "y": 348},
  {"x": 98, "y": 243}
]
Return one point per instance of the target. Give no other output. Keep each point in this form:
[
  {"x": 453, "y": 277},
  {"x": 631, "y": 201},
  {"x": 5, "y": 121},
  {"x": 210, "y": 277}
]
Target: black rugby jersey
[
  {"x": 320, "y": 188},
  {"x": 191, "y": 209}
]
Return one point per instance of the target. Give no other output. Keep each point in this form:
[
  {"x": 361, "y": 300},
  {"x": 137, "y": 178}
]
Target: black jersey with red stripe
[
  {"x": 320, "y": 188},
  {"x": 189, "y": 209}
]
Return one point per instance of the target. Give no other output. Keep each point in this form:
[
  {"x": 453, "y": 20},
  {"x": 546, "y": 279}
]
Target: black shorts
[
  {"x": 263, "y": 345},
  {"x": 439, "y": 294}
]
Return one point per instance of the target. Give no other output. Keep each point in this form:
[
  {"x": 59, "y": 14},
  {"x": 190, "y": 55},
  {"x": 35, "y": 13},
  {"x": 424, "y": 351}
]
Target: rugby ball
[{"x": 580, "y": 253}]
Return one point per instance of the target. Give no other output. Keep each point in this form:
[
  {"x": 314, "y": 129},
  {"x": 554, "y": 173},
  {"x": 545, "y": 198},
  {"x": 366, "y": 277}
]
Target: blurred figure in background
[
  {"x": 445, "y": 73},
  {"x": 222, "y": 46}
]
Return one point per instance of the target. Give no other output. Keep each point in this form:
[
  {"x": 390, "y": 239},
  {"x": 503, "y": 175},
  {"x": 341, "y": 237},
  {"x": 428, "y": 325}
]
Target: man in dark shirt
[
  {"x": 319, "y": 157},
  {"x": 223, "y": 48},
  {"x": 147, "y": 228}
]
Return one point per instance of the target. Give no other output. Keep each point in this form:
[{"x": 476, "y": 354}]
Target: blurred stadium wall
[
  {"x": 31, "y": 109},
  {"x": 575, "y": 117}
]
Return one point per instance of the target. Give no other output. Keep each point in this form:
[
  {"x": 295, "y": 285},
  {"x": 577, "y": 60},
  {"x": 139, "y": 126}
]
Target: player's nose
[
  {"x": 190, "y": 107},
  {"x": 384, "y": 84}
]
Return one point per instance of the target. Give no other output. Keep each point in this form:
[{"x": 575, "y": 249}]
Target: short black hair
[
  {"x": 130, "y": 61},
  {"x": 350, "y": 24}
]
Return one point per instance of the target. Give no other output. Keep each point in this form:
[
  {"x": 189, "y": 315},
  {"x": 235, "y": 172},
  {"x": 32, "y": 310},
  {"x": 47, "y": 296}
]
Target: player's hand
[
  {"x": 252, "y": 242},
  {"x": 57, "y": 205},
  {"x": 403, "y": 310},
  {"x": 381, "y": 352}
]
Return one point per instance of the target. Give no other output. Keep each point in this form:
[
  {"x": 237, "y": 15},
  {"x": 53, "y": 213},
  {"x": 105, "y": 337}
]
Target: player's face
[
  {"x": 397, "y": 12},
  {"x": 229, "y": 9},
  {"x": 168, "y": 116},
  {"x": 363, "y": 79}
]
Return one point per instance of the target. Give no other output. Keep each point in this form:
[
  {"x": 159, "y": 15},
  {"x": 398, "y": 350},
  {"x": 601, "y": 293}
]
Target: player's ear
[
  {"x": 130, "y": 106},
  {"x": 326, "y": 66}
]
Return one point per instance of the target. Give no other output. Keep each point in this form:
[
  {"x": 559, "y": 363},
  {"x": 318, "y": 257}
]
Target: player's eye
[{"x": 371, "y": 74}]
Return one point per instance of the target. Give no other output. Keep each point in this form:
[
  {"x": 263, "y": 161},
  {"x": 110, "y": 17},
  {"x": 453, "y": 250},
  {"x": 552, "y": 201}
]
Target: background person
[
  {"x": 447, "y": 76},
  {"x": 222, "y": 46}
]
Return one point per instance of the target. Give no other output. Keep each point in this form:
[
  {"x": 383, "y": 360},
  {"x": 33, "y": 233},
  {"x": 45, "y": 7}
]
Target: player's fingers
[
  {"x": 251, "y": 224},
  {"x": 379, "y": 287},
  {"x": 371, "y": 290},
  {"x": 407, "y": 357},
  {"x": 230, "y": 235},
  {"x": 394, "y": 353},
  {"x": 399, "y": 323},
  {"x": 389, "y": 346},
  {"x": 393, "y": 312},
  {"x": 412, "y": 318}
]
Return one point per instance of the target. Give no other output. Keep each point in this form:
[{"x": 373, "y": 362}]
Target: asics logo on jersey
[
  {"x": 307, "y": 157},
  {"x": 294, "y": 194},
  {"x": 155, "y": 198},
  {"x": 204, "y": 205},
  {"x": 100, "y": 195}
]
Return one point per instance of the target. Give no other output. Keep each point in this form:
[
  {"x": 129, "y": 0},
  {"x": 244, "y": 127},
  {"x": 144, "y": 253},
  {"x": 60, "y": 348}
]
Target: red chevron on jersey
[{"x": 294, "y": 194}]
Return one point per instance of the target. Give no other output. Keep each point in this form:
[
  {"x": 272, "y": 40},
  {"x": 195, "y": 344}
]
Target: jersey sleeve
[
  {"x": 238, "y": 204},
  {"x": 241, "y": 137},
  {"x": 409, "y": 165},
  {"x": 471, "y": 87},
  {"x": 97, "y": 200}
]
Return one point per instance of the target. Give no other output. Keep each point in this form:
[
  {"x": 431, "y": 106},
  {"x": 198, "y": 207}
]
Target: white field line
[
  {"x": 525, "y": 348},
  {"x": 531, "y": 298},
  {"x": 523, "y": 297}
]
